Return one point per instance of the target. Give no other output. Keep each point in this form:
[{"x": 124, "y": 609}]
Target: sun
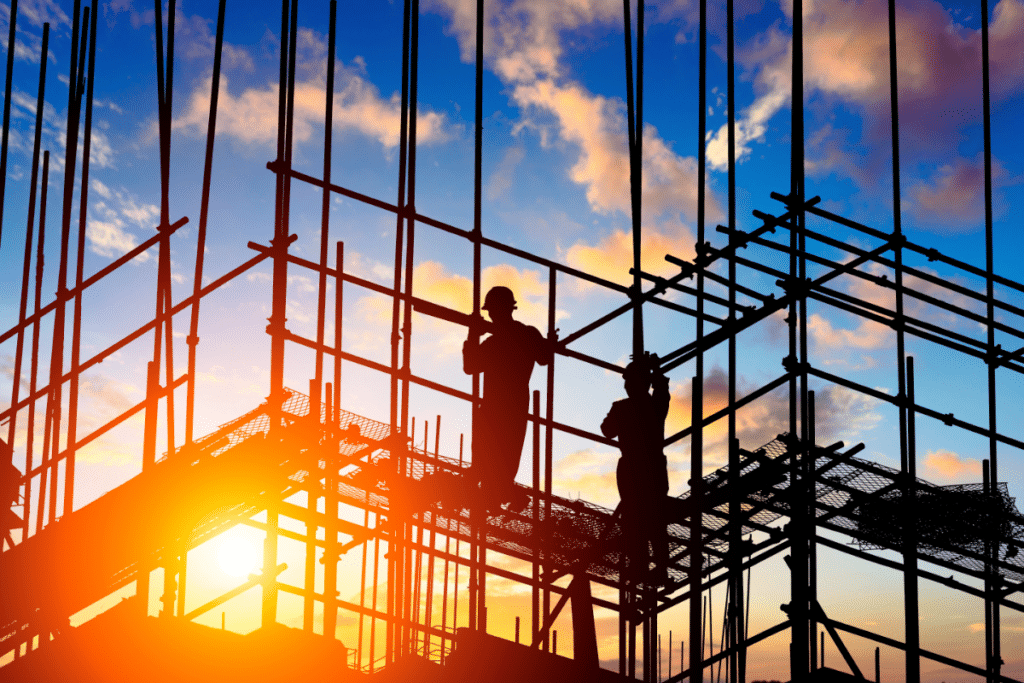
[{"x": 238, "y": 556}]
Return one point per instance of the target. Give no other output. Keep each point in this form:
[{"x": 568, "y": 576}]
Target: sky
[{"x": 554, "y": 183}]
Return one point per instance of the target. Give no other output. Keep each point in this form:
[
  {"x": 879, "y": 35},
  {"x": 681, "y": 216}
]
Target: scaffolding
[{"x": 420, "y": 530}]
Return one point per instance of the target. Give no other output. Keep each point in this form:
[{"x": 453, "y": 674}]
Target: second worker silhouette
[{"x": 506, "y": 359}]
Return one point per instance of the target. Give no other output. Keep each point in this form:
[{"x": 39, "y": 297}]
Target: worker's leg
[
  {"x": 506, "y": 452},
  {"x": 634, "y": 532}
]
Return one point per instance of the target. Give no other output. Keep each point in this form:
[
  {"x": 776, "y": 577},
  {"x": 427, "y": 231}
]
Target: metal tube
[
  {"x": 476, "y": 581},
  {"x": 40, "y": 510},
  {"x": 7, "y": 111},
  {"x": 193, "y": 335},
  {"x": 325, "y": 205},
  {"x": 33, "y": 372},
  {"x": 76, "y": 335},
  {"x": 286, "y": 105},
  {"x": 409, "y": 270},
  {"x": 54, "y": 401},
  {"x": 395, "y": 562},
  {"x": 30, "y": 226},
  {"x": 995, "y": 661},
  {"x": 535, "y": 569},
  {"x": 549, "y": 434},
  {"x": 697, "y": 384},
  {"x": 696, "y": 530}
]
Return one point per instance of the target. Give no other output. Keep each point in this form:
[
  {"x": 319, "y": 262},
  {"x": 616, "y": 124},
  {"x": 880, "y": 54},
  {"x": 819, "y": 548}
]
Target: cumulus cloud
[
  {"x": 434, "y": 282},
  {"x": 590, "y": 475},
  {"x": 523, "y": 45},
  {"x": 846, "y": 57},
  {"x": 841, "y": 413},
  {"x": 953, "y": 198},
  {"x": 868, "y": 335},
  {"x": 948, "y": 466},
  {"x": 612, "y": 257},
  {"x": 851, "y": 345},
  {"x": 251, "y": 116},
  {"x": 108, "y": 229}
]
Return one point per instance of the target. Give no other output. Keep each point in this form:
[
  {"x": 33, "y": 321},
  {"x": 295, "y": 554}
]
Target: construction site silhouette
[{"x": 430, "y": 533}]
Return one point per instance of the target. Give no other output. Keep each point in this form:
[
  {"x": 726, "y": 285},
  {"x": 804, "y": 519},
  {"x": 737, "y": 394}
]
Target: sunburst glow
[{"x": 238, "y": 556}]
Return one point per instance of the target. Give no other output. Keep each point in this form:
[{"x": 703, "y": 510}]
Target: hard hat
[
  {"x": 499, "y": 297},
  {"x": 641, "y": 368}
]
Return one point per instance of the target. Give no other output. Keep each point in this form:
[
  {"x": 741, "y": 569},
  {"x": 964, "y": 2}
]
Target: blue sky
[{"x": 555, "y": 183}]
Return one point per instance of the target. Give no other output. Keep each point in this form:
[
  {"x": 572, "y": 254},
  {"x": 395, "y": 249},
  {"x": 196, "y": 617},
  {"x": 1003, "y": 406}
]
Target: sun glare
[{"x": 238, "y": 556}]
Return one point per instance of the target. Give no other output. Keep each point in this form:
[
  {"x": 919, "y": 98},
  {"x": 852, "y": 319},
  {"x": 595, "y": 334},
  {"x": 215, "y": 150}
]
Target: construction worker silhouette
[
  {"x": 642, "y": 473},
  {"x": 506, "y": 359}
]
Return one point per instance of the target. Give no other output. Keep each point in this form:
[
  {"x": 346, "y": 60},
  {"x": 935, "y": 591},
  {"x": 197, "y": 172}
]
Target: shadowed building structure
[{"x": 360, "y": 497}]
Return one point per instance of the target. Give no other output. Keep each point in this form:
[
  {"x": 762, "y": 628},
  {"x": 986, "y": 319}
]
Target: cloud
[
  {"x": 108, "y": 238},
  {"x": 868, "y": 335},
  {"x": 590, "y": 475},
  {"x": 840, "y": 413},
  {"x": 886, "y": 297},
  {"x": 501, "y": 179},
  {"x": 949, "y": 466},
  {"x": 27, "y": 47},
  {"x": 251, "y": 116},
  {"x": 432, "y": 281},
  {"x": 612, "y": 256},
  {"x": 953, "y": 199},
  {"x": 194, "y": 40},
  {"x": 596, "y": 126},
  {"x": 852, "y": 347},
  {"x": 846, "y": 55},
  {"x": 37, "y": 13},
  {"x": 54, "y": 134},
  {"x": 107, "y": 229},
  {"x": 773, "y": 82},
  {"x": 524, "y": 47},
  {"x": 521, "y": 37}
]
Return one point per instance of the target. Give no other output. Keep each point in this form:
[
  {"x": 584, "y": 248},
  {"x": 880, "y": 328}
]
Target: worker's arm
[
  {"x": 542, "y": 350},
  {"x": 611, "y": 424},
  {"x": 661, "y": 394},
  {"x": 472, "y": 358}
]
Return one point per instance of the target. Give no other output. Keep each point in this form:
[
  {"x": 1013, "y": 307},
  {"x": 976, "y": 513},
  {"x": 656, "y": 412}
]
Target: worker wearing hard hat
[
  {"x": 638, "y": 422},
  {"x": 506, "y": 359}
]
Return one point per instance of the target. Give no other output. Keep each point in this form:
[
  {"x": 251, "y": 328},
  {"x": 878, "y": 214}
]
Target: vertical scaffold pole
[
  {"x": 276, "y": 328},
  {"x": 394, "y": 554},
  {"x": 995, "y": 662},
  {"x": 697, "y": 385},
  {"x": 29, "y": 231},
  {"x": 549, "y": 435},
  {"x": 11, "y": 47},
  {"x": 799, "y": 606},
  {"x": 197, "y": 280},
  {"x": 477, "y": 516}
]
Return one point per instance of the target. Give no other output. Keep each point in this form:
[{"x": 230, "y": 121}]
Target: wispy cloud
[{"x": 111, "y": 218}]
